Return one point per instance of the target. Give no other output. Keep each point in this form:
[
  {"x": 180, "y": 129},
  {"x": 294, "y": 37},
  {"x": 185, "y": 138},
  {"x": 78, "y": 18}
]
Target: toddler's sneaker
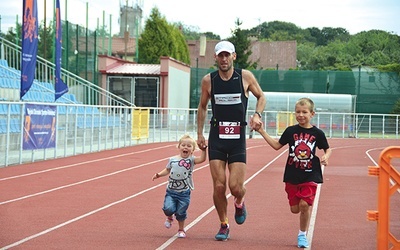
[
  {"x": 223, "y": 233},
  {"x": 181, "y": 234},
  {"x": 168, "y": 222},
  {"x": 302, "y": 241}
]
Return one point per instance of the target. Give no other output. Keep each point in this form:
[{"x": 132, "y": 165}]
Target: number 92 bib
[{"x": 229, "y": 130}]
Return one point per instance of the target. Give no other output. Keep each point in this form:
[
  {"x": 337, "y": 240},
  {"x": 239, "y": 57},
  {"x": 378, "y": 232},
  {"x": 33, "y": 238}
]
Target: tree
[
  {"x": 46, "y": 42},
  {"x": 15, "y": 35},
  {"x": 180, "y": 50},
  {"x": 396, "y": 107},
  {"x": 304, "y": 54},
  {"x": 161, "y": 39},
  {"x": 242, "y": 45},
  {"x": 378, "y": 47},
  {"x": 45, "y": 39}
]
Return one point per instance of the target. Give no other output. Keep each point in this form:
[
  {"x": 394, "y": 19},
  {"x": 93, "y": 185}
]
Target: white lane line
[
  {"x": 199, "y": 218},
  {"x": 80, "y": 182},
  {"x": 82, "y": 163},
  {"x": 89, "y": 213},
  {"x": 316, "y": 201},
  {"x": 392, "y": 182},
  {"x": 314, "y": 211},
  {"x": 168, "y": 242},
  {"x": 80, "y": 217}
]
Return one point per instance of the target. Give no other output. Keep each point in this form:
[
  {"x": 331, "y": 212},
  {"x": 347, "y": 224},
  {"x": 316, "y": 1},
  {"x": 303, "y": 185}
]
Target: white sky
[{"x": 219, "y": 16}]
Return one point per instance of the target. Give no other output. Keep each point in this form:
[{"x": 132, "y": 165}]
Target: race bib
[{"x": 229, "y": 130}]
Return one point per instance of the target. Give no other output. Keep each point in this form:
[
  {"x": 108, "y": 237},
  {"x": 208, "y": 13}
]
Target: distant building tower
[{"x": 130, "y": 19}]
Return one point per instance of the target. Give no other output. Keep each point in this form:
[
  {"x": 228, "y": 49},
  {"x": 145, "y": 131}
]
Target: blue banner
[
  {"x": 39, "y": 126},
  {"x": 29, "y": 45},
  {"x": 61, "y": 88}
]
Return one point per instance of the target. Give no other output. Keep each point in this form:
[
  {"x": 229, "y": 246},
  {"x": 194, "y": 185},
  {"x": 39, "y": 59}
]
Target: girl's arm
[
  {"x": 164, "y": 172},
  {"x": 271, "y": 141},
  {"x": 202, "y": 158}
]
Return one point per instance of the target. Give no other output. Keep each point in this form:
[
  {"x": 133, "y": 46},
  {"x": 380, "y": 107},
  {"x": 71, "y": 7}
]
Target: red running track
[{"x": 107, "y": 200}]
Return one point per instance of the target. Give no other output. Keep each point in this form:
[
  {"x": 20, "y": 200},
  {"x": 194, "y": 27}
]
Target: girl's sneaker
[
  {"x": 168, "y": 222},
  {"x": 181, "y": 234}
]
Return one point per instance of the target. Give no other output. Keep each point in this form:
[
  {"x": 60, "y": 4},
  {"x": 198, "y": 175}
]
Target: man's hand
[
  {"x": 255, "y": 123},
  {"x": 201, "y": 142}
]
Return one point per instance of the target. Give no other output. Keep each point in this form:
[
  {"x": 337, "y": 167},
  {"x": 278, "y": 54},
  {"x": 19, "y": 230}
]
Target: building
[
  {"x": 165, "y": 85},
  {"x": 267, "y": 55},
  {"x": 130, "y": 20}
]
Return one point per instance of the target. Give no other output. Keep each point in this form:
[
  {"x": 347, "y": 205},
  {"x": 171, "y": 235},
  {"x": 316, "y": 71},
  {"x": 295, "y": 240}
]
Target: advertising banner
[
  {"x": 29, "y": 45},
  {"x": 39, "y": 126},
  {"x": 60, "y": 87}
]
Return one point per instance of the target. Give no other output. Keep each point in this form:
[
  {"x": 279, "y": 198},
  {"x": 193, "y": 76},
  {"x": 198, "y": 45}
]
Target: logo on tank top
[{"x": 227, "y": 99}]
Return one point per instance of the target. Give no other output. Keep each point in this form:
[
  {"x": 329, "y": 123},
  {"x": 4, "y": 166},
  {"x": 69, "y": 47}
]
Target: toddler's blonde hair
[{"x": 185, "y": 137}]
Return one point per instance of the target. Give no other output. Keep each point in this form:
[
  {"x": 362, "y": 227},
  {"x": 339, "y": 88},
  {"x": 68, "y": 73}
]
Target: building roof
[{"x": 136, "y": 69}]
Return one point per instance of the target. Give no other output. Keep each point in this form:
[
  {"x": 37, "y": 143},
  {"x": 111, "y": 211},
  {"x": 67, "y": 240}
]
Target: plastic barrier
[
  {"x": 140, "y": 123},
  {"x": 388, "y": 184}
]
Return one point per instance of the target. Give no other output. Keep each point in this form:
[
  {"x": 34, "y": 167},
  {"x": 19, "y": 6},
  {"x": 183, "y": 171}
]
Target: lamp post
[{"x": 197, "y": 78}]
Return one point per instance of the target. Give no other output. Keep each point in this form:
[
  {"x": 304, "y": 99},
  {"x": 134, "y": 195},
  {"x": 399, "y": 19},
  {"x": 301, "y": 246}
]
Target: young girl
[
  {"x": 303, "y": 166},
  {"x": 180, "y": 183}
]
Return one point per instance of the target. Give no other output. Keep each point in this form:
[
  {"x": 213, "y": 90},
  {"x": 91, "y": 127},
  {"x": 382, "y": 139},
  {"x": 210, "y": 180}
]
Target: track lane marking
[
  {"x": 200, "y": 217},
  {"x": 82, "y": 163}
]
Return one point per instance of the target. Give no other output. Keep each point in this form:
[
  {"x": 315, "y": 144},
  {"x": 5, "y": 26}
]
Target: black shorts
[{"x": 228, "y": 150}]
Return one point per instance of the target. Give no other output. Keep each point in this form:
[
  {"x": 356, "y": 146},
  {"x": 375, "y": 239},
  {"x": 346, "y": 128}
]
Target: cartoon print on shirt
[
  {"x": 302, "y": 152},
  {"x": 178, "y": 178},
  {"x": 184, "y": 163}
]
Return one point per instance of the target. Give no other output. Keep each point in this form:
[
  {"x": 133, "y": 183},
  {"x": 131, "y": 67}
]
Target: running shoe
[
  {"x": 302, "y": 241},
  {"x": 240, "y": 214},
  {"x": 181, "y": 234},
  {"x": 168, "y": 222},
  {"x": 223, "y": 233}
]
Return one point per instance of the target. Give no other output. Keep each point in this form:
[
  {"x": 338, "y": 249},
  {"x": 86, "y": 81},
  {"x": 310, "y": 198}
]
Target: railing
[
  {"x": 388, "y": 185},
  {"x": 84, "y": 128},
  {"x": 86, "y": 92}
]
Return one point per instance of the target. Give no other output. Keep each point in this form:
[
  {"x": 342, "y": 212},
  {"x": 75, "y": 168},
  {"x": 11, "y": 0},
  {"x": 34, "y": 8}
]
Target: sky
[{"x": 219, "y": 17}]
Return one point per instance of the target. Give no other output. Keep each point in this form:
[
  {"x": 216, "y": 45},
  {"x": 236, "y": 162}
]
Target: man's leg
[
  {"x": 217, "y": 168},
  {"x": 238, "y": 190},
  {"x": 236, "y": 180}
]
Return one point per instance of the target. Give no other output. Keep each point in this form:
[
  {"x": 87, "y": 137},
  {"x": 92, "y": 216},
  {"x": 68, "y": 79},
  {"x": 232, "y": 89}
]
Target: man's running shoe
[
  {"x": 223, "y": 233},
  {"x": 240, "y": 214},
  {"x": 302, "y": 241},
  {"x": 168, "y": 222}
]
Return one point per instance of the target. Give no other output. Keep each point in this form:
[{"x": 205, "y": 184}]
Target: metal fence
[
  {"x": 82, "y": 129},
  {"x": 376, "y": 92},
  {"x": 84, "y": 91}
]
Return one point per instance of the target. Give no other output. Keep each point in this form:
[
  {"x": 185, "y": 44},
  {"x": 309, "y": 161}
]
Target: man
[{"x": 228, "y": 89}]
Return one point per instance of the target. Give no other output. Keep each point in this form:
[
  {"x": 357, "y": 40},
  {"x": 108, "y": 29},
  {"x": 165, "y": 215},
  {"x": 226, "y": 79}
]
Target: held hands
[
  {"x": 255, "y": 123},
  {"x": 201, "y": 142}
]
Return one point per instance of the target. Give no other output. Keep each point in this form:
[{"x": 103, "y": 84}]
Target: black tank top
[{"x": 229, "y": 102}]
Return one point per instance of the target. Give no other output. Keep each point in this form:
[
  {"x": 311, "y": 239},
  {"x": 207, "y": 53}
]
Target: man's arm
[
  {"x": 202, "y": 109},
  {"x": 254, "y": 87}
]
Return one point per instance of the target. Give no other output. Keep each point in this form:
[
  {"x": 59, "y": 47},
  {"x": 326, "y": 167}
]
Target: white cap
[{"x": 224, "y": 46}]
